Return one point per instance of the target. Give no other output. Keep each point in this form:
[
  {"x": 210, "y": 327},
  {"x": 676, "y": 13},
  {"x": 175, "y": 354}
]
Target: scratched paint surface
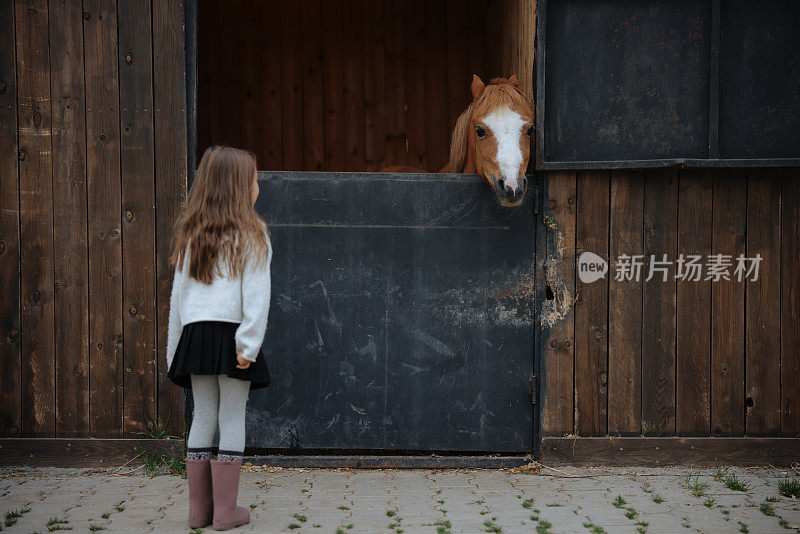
[{"x": 402, "y": 315}]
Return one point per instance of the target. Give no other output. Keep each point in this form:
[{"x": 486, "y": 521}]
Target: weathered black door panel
[
  {"x": 402, "y": 315},
  {"x": 631, "y": 84}
]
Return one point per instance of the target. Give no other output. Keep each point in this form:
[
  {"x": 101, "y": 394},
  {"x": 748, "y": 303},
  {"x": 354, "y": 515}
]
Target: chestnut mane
[{"x": 499, "y": 92}]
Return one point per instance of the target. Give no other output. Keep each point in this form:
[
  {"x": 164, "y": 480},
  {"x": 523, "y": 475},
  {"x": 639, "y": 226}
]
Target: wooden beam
[
  {"x": 664, "y": 451},
  {"x": 82, "y": 452}
]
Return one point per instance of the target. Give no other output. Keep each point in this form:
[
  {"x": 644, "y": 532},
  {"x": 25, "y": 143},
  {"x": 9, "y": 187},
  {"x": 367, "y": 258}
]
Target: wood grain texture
[
  {"x": 333, "y": 84},
  {"x": 558, "y": 407},
  {"x": 591, "y": 307},
  {"x": 70, "y": 217},
  {"x": 354, "y": 51},
  {"x": 84, "y": 452},
  {"x": 659, "y": 305},
  {"x": 693, "y": 382},
  {"x": 137, "y": 143},
  {"x": 292, "y": 85},
  {"x": 10, "y": 319},
  {"x": 625, "y": 305},
  {"x": 662, "y": 452},
  {"x": 437, "y": 134},
  {"x": 169, "y": 97},
  {"x": 396, "y": 125},
  {"x": 374, "y": 86},
  {"x": 313, "y": 104},
  {"x": 270, "y": 74},
  {"x": 762, "y": 314},
  {"x": 790, "y": 303},
  {"x": 728, "y": 306},
  {"x": 104, "y": 210},
  {"x": 415, "y": 65},
  {"x": 36, "y": 219},
  {"x": 459, "y": 76}
]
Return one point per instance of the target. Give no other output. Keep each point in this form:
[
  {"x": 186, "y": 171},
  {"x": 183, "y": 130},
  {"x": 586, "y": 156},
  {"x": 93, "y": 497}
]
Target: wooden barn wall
[
  {"x": 354, "y": 85},
  {"x": 671, "y": 358},
  {"x": 92, "y": 110},
  {"x": 88, "y": 196}
]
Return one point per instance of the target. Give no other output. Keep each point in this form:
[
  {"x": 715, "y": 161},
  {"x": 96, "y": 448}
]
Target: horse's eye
[
  {"x": 480, "y": 131},
  {"x": 530, "y": 131}
]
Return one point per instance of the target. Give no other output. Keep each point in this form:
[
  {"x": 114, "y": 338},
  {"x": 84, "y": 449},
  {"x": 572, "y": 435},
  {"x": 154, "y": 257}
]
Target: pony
[{"x": 492, "y": 137}]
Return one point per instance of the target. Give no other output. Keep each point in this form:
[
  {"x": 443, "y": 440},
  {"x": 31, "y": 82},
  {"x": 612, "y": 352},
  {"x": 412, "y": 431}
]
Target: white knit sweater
[{"x": 244, "y": 300}]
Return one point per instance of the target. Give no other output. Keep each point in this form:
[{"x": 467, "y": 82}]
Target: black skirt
[{"x": 209, "y": 348}]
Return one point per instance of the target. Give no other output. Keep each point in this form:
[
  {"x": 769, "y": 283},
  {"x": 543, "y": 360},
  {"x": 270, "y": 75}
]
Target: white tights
[{"x": 218, "y": 399}]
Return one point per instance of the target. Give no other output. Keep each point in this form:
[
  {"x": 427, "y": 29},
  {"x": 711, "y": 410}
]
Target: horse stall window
[{"x": 355, "y": 85}]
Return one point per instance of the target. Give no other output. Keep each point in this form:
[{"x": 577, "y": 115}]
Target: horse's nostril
[
  {"x": 501, "y": 184},
  {"x": 524, "y": 180}
]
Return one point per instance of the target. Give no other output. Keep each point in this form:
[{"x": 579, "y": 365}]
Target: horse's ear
[
  {"x": 477, "y": 86},
  {"x": 515, "y": 81}
]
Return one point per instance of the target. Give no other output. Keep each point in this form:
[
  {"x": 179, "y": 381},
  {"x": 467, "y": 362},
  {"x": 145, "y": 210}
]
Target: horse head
[{"x": 492, "y": 137}]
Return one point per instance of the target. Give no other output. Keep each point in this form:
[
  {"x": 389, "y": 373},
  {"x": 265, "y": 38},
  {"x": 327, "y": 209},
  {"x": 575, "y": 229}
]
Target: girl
[{"x": 217, "y": 320}]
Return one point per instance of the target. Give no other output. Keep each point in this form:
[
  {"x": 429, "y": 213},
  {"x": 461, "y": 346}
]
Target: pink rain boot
[
  {"x": 201, "y": 506},
  {"x": 225, "y": 476}
]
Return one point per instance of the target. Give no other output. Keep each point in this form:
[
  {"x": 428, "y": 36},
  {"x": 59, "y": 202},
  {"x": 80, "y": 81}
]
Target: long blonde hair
[{"x": 218, "y": 217}]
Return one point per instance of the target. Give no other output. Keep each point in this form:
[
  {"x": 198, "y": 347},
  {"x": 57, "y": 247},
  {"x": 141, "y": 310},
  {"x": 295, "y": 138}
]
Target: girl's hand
[{"x": 243, "y": 363}]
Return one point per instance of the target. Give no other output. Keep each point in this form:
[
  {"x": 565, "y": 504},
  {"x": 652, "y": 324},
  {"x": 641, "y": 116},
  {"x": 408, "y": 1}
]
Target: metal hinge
[{"x": 533, "y": 389}]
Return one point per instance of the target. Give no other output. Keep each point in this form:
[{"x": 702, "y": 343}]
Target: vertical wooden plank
[
  {"x": 415, "y": 83},
  {"x": 790, "y": 303},
  {"x": 230, "y": 65},
  {"x": 270, "y": 153},
  {"x": 208, "y": 75},
  {"x": 353, "y": 58},
  {"x": 591, "y": 307},
  {"x": 138, "y": 209},
  {"x": 10, "y": 363},
  {"x": 437, "y": 134},
  {"x": 250, "y": 84},
  {"x": 458, "y": 75},
  {"x": 169, "y": 97},
  {"x": 374, "y": 87},
  {"x": 693, "y": 383},
  {"x": 625, "y": 305},
  {"x": 727, "y": 306},
  {"x": 559, "y": 351},
  {"x": 292, "y": 85},
  {"x": 477, "y": 11},
  {"x": 69, "y": 213},
  {"x": 333, "y": 81},
  {"x": 396, "y": 126},
  {"x": 36, "y": 219},
  {"x": 313, "y": 105},
  {"x": 658, "y": 314},
  {"x": 762, "y": 310},
  {"x": 103, "y": 208}
]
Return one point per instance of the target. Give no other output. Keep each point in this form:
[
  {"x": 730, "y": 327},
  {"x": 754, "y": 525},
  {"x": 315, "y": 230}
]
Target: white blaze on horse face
[{"x": 506, "y": 125}]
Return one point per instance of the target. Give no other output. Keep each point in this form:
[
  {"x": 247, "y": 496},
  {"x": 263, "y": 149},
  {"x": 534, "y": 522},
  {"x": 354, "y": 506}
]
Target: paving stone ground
[{"x": 384, "y": 501}]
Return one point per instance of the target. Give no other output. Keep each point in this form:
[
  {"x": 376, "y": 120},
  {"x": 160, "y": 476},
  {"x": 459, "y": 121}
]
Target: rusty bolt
[
  {"x": 128, "y": 215},
  {"x": 598, "y": 335},
  {"x": 132, "y": 310},
  {"x": 103, "y": 138},
  {"x": 567, "y": 344},
  {"x": 100, "y": 345},
  {"x": 554, "y": 343},
  {"x": 603, "y": 378},
  {"x": 37, "y": 118},
  {"x": 2, "y": 247},
  {"x": 86, "y": 16},
  {"x": 570, "y": 200},
  {"x": 14, "y": 430},
  {"x": 128, "y": 370},
  {"x": 37, "y": 295},
  {"x": 13, "y": 334},
  {"x": 553, "y": 204},
  {"x": 2, "y": 87},
  {"x": 128, "y": 58},
  {"x": 21, "y": 155}
]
